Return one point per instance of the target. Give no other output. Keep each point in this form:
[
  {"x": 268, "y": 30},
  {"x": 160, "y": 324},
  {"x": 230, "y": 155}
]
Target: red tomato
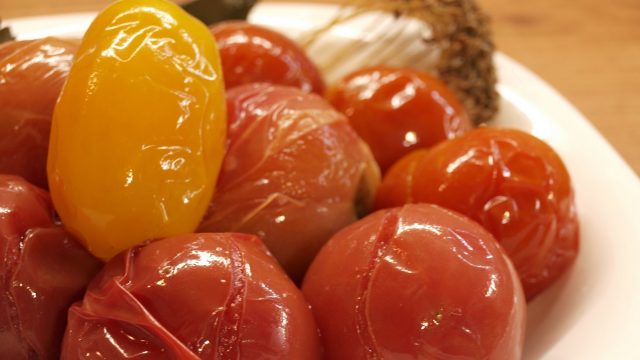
[
  {"x": 196, "y": 296},
  {"x": 31, "y": 77},
  {"x": 513, "y": 184},
  {"x": 397, "y": 110},
  {"x": 42, "y": 272},
  {"x": 294, "y": 173},
  {"x": 417, "y": 282},
  {"x": 252, "y": 53}
]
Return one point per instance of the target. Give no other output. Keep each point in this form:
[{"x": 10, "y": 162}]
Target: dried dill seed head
[{"x": 461, "y": 32}]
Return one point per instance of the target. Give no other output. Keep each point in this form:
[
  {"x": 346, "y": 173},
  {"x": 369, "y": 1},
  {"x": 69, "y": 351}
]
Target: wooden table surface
[{"x": 588, "y": 49}]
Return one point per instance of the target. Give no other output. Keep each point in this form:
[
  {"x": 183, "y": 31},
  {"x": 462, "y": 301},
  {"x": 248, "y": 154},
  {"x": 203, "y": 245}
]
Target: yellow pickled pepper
[{"x": 138, "y": 133}]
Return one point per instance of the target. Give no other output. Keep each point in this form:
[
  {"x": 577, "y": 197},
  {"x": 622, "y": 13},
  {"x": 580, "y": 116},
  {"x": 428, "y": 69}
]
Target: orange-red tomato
[
  {"x": 417, "y": 282},
  {"x": 31, "y": 76},
  {"x": 252, "y": 53},
  {"x": 43, "y": 270},
  {"x": 294, "y": 173},
  {"x": 512, "y": 183},
  {"x": 195, "y": 296},
  {"x": 397, "y": 110}
]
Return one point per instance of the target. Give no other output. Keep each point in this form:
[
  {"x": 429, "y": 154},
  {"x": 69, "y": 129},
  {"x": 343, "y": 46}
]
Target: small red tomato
[
  {"x": 396, "y": 110},
  {"x": 252, "y": 53},
  {"x": 294, "y": 173},
  {"x": 31, "y": 77},
  {"x": 416, "y": 282},
  {"x": 512, "y": 183},
  {"x": 195, "y": 296},
  {"x": 42, "y": 272}
]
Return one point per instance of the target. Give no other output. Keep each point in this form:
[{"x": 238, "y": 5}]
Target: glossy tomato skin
[
  {"x": 195, "y": 296},
  {"x": 397, "y": 110},
  {"x": 416, "y": 282},
  {"x": 32, "y": 74},
  {"x": 43, "y": 270},
  {"x": 252, "y": 53},
  {"x": 512, "y": 183},
  {"x": 138, "y": 133},
  {"x": 294, "y": 173}
]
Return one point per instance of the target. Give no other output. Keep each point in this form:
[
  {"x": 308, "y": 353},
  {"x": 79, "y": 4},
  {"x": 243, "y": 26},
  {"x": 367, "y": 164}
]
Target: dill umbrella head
[{"x": 458, "y": 30}]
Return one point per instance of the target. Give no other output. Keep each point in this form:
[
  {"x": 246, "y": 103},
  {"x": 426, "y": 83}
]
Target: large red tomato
[
  {"x": 42, "y": 272},
  {"x": 252, "y": 53},
  {"x": 294, "y": 173},
  {"x": 512, "y": 183},
  {"x": 397, "y": 110},
  {"x": 195, "y": 296},
  {"x": 416, "y": 282},
  {"x": 31, "y": 77}
]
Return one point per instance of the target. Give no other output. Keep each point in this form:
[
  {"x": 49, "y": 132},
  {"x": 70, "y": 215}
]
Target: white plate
[{"x": 593, "y": 312}]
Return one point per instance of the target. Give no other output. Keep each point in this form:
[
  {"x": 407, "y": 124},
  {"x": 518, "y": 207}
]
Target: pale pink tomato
[{"x": 294, "y": 173}]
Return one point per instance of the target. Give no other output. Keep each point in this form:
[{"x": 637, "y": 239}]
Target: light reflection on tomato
[
  {"x": 416, "y": 282},
  {"x": 512, "y": 183}
]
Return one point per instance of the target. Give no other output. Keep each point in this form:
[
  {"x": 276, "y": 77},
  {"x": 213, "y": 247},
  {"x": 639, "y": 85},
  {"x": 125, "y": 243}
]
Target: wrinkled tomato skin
[
  {"x": 512, "y": 183},
  {"x": 195, "y": 296},
  {"x": 138, "y": 133},
  {"x": 294, "y": 173},
  {"x": 416, "y": 282},
  {"x": 252, "y": 53},
  {"x": 31, "y": 77},
  {"x": 43, "y": 270},
  {"x": 397, "y": 110}
]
